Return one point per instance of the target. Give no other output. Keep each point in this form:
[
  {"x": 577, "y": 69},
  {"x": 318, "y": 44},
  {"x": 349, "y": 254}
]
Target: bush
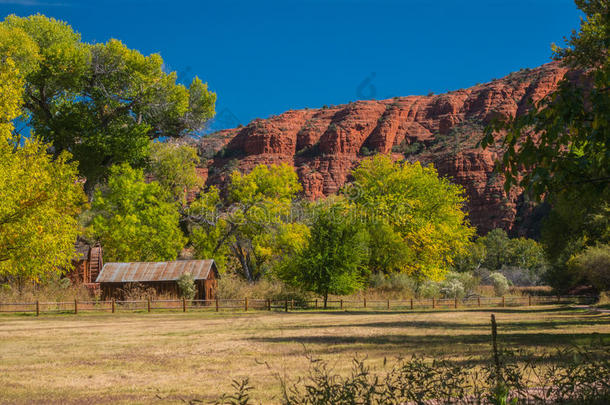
[
  {"x": 570, "y": 376},
  {"x": 452, "y": 288},
  {"x": 500, "y": 284},
  {"x": 594, "y": 265},
  {"x": 186, "y": 286},
  {"x": 399, "y": 282},
  {"x": 429, "y": 289},
  {"x": 231, "y": 286}
]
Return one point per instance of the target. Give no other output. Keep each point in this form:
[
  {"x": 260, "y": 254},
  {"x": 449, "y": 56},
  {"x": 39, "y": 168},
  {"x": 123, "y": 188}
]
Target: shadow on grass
[
  {"x": 431, "y": 343},
  {"x": 447, "y": 325},
  {"x": 508, "y": 310}
]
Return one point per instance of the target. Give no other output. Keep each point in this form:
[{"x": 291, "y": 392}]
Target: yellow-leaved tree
[
  {"x": 40, "y": 196},
  {"x": 416, "y": 219}
]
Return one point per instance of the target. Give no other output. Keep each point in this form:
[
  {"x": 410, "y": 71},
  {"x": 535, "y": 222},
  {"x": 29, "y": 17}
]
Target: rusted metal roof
[{"x": 155, "y": 271}]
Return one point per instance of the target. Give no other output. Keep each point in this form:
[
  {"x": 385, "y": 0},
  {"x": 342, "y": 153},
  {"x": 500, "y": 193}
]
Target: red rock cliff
[{"x": 325, "y": 144}]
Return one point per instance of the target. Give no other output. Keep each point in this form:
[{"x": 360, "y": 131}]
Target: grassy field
[{"x": 167, "y": 357}]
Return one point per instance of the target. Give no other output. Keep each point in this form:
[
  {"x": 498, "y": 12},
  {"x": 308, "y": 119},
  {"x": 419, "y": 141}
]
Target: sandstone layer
[{"x": 325, "y": 144}]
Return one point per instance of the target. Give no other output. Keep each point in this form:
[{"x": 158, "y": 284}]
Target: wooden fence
[{"x": 246, "y": 304}]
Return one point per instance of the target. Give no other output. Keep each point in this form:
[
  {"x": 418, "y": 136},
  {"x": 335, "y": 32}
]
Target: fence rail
[{"x": 246, "y": 304}]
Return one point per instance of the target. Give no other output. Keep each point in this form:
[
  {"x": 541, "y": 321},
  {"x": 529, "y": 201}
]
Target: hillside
[{"x": 324, "y": 144}]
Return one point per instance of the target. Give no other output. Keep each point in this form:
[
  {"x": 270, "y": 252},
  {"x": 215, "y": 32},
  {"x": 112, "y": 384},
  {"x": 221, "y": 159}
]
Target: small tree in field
[
  {"x": 186, "y": 286},
  {"x": 334, "y": 257}
]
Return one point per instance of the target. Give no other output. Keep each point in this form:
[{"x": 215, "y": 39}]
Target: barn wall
[{"x": 206, "y": 289}]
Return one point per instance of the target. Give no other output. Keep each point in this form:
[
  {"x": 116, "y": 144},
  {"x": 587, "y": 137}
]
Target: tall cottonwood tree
[
  {"x": 40, "y": 197},
  {"x": 135, "y": 220},
  {"x": 103, "y": 102},
  {"x": 251, "y": 221},
  {"x": 416, "y": 218}
]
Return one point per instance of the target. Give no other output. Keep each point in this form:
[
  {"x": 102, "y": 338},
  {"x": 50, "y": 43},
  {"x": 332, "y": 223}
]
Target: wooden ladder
[{"x": 95, "y": 262}]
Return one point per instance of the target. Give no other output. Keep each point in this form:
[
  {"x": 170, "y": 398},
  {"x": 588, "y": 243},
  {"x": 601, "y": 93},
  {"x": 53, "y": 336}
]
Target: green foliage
[
  {"x": 174, "y": 167},
  {"x": 419, "y": 214},
  {"x": 208, "y": 227},
  {"x": 497, "y": 246},
  {"x": 186, "y": 286},
  {"x": 334, "y": 258},
  {"x": 135, "y": 220},
  {"x": 520, "y": 259},
  {"x": 593, "y": 264},
  {"x": 103, "y": 102},
  {"x": 500, "y": 284},
  {"x": 252, "y": 222},
  {"x": 408, "y": 149},
  {"x": 41, "y": 199}
]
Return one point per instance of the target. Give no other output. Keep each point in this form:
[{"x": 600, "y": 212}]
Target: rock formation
[{"x": 324, "y": 144}]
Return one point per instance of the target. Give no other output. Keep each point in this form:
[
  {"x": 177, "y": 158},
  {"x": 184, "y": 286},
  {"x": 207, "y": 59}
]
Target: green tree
[
  {"x": 422, "y": 214},
  {"x": 103, "y": 102},
  {"x": 174, "y": 166},
  {"x": 135, "y": 220},
  {"x": 498, "y": 249},
  {"x": 334, "y": 258},
  {"x": 252, "y": 221},
  {"x": 208, "y": 225}
]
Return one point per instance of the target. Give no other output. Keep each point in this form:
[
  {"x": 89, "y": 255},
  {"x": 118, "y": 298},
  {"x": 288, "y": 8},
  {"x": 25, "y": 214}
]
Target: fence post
[
  {"x": 433, "y": 303},
  {"x": 456, "y": 303},
  {"x": 479, "y": 301},
  {"x": 75, "y": 307},
  {"x": 286, "y": 305},
  {"x": 183, "y": 304},
  {"x": 411, "y": 303},
  {"x": 503, "y": 302},
  {"x": 216, "y": 304},
  {"x": 558, "y": 298},
  {"x": 388, "y": 304},
  {"x": 246, "y": 304},
  {"x": 268, "y": 304},
  {"x": 148, "y": 304},
  {"x": 316, "y": 303},
  {"x": 37, "y": 308},
  {"x": 292, "y": 305},
  {"x": 365, "y": 302},
  {"x": 529, "y": 300},
  {"x": 113, "y": 305},
  {"x": 341, "y": 305}
]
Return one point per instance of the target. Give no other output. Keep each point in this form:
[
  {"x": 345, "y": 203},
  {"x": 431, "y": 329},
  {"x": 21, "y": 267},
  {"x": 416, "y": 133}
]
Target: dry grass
[{"x": 166, "y": 357}]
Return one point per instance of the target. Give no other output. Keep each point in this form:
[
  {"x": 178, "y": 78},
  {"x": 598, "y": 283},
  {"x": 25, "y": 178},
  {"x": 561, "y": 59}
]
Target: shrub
[
  {"x": 400, "y": 284},
  {"x": 186, "y": 286},
  {"x": 429, "y": 289},
  {"x": 594, "y": 264},
  {"x": 569, "y": 376},
  {"x": 452, "y": 288},
  {"x": 500, "y": 284},
  {"x": 231, "y": 286}
]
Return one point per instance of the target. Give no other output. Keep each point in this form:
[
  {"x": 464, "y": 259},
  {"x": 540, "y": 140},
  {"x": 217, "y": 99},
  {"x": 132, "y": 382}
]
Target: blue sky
[{"x": 265, "y": 57}]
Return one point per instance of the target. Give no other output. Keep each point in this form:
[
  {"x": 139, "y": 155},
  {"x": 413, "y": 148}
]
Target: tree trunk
[
  {"x": 243, "y": 260},
  {"x": 325, "y": 299}
]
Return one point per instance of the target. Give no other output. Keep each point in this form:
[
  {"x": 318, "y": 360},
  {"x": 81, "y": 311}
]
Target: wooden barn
[
  {"x": 86, "y": 264},
  {"x": 162, "y": 276}
]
